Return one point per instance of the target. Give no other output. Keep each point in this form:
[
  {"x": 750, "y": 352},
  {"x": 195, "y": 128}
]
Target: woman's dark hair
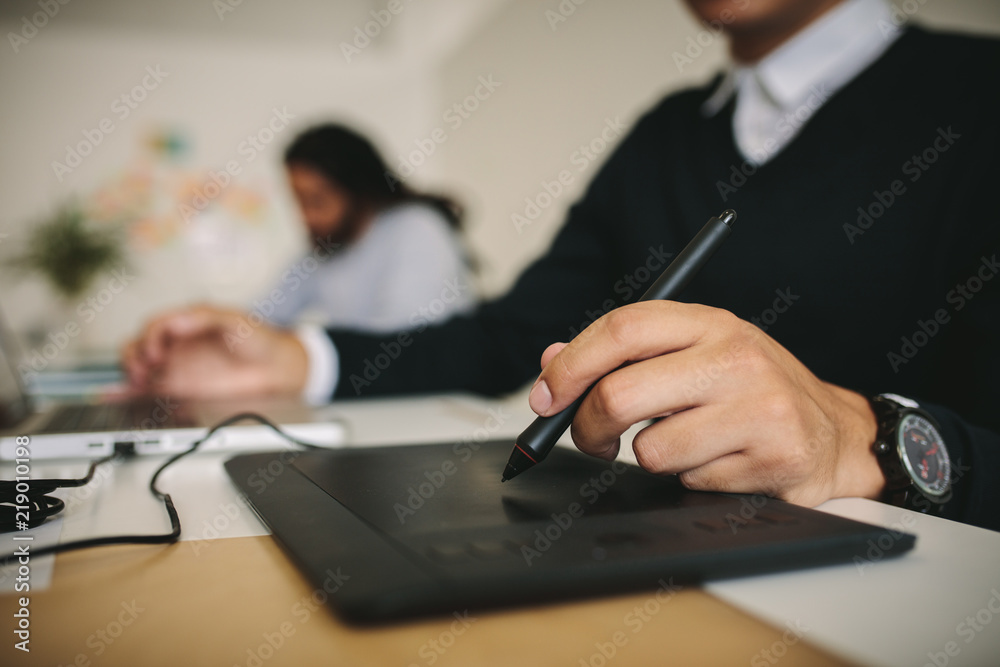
[{"x": 350, "y": 161}]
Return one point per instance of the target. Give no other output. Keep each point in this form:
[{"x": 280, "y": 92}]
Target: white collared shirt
[{"x": 777, "y": 96}]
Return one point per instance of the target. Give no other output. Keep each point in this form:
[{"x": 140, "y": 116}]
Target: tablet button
[
  {"x": 732, "y": 524},
  {"x": 738, "y": 523},
  {"x": 712, "y": 525},
  {"x": 621, "y": 540},
  {"x": 489, "y": 550},
  {"x": 516, "y": 546},
  {"x": 448, "y": 553}
]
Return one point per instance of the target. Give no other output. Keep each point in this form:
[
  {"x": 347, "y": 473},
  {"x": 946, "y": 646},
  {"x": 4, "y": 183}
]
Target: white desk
[
  {"x": 895, "y": 612},
  {"x": 118, "y": 501}
]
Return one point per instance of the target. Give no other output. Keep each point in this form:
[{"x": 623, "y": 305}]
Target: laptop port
[{"x": 125, "y": 448}]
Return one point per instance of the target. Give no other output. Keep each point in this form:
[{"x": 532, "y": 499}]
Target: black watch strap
[
  {"x": 899, "y": 488},
  {"x": 887, "y": 414}
]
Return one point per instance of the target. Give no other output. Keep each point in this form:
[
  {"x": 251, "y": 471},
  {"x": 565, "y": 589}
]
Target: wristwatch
[{"x": 912, "y": 455}]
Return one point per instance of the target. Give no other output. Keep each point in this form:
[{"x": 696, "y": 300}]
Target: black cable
[
  {"x": 42, "y": 505},
  {"x": 175, "y": 522}
]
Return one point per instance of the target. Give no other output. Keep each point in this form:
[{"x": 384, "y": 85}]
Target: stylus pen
[{"x": 536, "y": 441}]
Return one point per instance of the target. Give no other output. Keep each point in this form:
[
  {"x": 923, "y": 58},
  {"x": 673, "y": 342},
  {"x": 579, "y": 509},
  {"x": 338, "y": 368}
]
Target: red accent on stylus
[{"x": 526, "y": 453}]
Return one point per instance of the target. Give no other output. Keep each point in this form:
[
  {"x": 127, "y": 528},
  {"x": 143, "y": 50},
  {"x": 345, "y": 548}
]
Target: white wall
[{"x": 559, "y": 83}]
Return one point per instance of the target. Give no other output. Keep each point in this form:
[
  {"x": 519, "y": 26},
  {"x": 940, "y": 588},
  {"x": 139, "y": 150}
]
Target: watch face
[{"x": 922, "y": 451}]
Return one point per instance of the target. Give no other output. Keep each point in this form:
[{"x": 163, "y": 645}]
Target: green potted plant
[{"x": 69, "y": 252}]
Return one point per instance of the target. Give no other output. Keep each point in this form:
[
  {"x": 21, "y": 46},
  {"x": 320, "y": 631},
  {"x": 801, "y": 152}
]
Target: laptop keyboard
[{"x": 85, "y": 418}]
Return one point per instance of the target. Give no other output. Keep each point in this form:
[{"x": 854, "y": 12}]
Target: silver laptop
[{"x": 155, "y": 425}]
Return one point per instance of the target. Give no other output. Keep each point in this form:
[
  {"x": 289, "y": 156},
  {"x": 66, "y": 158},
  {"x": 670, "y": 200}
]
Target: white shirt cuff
[{"x": 324, "y": 364}]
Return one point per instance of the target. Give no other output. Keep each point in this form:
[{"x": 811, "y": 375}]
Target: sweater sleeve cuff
[{"x": 324, "y": 364}]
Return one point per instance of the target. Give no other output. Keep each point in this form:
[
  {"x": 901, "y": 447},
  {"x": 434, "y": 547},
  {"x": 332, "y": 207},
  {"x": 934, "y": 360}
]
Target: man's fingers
[
  {"x": 154, "y": 338},
  {"x": 135, "y": 370},
  {"x": 738, "y": 472},
  {"x": 605, "y": 449},
  {"x": 631, "y": 333},
  {"x": 539, "y": 397},
  {"x": 690, "y": 439},
  {"x": 187, "y": 323},
  {"x": 181, "y": 382},
  {"x": 657, "y": 387},
  {"x": 622, "y": 398},
  {"x": 550, "y": 352}
]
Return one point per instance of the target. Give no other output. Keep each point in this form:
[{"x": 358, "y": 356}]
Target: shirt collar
[{"x": 824, "y": 56}]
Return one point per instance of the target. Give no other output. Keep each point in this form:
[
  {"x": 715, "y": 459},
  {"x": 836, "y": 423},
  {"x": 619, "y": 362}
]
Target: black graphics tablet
[{"x": 392, "y": 532}]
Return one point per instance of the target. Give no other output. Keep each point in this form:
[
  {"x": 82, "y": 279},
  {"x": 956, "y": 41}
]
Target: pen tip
[{"x": 728, "y": 217}]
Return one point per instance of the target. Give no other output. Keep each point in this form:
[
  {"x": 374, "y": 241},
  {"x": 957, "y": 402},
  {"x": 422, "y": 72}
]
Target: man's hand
[
  {"x": 206, "y": 352},
  {"x": 741, "y": 414}
]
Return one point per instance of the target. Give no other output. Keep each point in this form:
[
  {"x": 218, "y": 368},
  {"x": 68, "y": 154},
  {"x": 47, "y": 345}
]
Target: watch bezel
[{"x": 919, "y": 485}]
